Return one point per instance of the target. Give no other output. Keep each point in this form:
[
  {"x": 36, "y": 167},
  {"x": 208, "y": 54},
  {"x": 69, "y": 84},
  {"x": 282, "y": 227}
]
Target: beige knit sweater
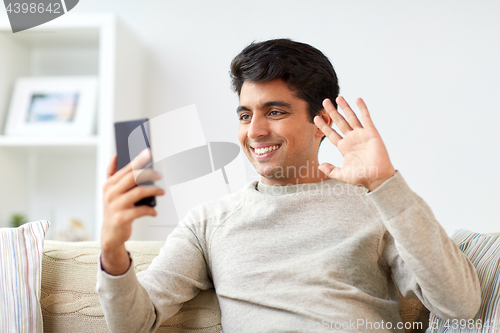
[{"x": 302, "y": 258}]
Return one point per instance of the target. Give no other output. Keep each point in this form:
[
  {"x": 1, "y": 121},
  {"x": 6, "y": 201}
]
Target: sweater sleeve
[
  {"x": 424, "y": 261},
  {"x": 142, "y": 302}
]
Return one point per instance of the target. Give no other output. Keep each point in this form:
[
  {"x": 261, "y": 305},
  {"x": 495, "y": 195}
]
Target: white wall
[{"x": 428, "y": 70}]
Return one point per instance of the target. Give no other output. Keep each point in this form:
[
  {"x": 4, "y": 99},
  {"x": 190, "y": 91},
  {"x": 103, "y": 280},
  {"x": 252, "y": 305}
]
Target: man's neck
[{"x": 311, "y": 175}]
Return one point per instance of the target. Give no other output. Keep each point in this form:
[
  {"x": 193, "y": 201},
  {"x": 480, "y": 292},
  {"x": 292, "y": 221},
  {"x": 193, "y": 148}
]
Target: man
[{"x": 299, "y": 250}]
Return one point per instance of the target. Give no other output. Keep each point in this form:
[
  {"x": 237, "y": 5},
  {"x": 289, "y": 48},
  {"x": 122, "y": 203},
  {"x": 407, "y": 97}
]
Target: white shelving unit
[{"x": 59, "y": 179}]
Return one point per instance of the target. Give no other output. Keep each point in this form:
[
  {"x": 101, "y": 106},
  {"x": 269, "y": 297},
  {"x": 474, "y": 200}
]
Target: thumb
[{"x": 330, "y": 170}]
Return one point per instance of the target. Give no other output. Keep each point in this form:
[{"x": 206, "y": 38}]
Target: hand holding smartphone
[{"x": 132, "y": 137}]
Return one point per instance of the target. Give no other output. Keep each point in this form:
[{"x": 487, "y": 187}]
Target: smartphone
[{"x": 132, "y": 137}]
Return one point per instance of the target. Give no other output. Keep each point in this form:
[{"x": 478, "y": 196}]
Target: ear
[{"x": 326, "y": 117}]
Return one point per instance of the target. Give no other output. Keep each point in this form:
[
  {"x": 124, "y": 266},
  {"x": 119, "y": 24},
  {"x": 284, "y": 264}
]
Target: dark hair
[{"x": 306, "y": 70}]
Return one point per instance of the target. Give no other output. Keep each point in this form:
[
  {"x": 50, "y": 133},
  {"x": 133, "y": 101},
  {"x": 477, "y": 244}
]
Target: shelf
[
  {"x": 61, "y": 178},
  {"x": 56, "y": 38},
  {"x": 12, "y": 141}
]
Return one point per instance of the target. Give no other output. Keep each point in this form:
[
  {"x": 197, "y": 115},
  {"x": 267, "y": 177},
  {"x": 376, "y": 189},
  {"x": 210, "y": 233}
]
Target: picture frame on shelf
[{"x": 52, "y": 107}]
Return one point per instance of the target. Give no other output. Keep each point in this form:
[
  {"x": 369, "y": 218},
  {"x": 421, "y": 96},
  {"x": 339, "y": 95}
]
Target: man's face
[{"x": 276, "y": 134}]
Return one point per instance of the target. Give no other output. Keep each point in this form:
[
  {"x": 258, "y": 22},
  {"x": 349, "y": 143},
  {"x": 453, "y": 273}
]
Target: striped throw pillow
[
  {"x": 21, "y": 276},
  {"x": 484, "y": 253}
]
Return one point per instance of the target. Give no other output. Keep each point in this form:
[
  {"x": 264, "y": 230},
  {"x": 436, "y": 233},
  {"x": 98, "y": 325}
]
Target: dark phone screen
[{"x": 132, "y": 137}]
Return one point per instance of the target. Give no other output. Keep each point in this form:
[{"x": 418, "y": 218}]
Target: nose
[{"x": 259, "y": 127}]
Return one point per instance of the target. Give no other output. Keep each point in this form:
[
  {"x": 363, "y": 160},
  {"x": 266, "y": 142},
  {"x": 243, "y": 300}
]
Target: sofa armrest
[{"x": 70, "y": 304}]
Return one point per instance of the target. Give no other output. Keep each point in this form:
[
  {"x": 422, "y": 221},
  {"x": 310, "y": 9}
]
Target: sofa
[{"x": 70, "y": 304}]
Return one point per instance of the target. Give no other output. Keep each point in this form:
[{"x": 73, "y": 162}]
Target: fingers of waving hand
[
  {"x": 337, "y": 118},
  {"x": 365, "y": 115},
  {"x": 343, "y": 124},
  {"x": 330, "y": 170},
  {"x": 352, "y": 120},
  {"x": 329, "y": 132}
]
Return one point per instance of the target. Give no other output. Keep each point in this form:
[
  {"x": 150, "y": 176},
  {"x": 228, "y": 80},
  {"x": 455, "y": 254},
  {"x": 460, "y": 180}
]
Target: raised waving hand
[{"x": 366, "y": 161}]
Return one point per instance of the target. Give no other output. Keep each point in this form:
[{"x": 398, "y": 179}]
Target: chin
[{"x": 270, "y": 172}]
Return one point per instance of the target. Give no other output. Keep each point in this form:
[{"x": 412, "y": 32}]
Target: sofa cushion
[
  {"x": 484, "y": 253},
  {"x": 20, "y": 269},
  {"x": 70, "y": 304}
]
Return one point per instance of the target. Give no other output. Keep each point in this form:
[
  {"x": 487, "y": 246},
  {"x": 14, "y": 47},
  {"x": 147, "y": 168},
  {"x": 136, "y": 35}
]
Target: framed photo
[{"x": 52, "y": 107}]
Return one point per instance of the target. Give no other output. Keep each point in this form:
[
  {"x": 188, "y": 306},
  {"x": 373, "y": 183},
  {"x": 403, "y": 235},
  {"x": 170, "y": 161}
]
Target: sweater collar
[{"x": 289, "y": 189}]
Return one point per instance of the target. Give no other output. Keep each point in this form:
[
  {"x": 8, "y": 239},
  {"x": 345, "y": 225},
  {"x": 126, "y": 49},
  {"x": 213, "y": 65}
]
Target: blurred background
[{"x": 429, "y": 72}]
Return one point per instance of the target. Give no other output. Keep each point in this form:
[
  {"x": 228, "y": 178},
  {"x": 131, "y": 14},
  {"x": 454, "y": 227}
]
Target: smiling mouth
[{"x": 266, "y": 150}]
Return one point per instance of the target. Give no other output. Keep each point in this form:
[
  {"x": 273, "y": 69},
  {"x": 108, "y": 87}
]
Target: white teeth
[{"x": 261, "y": 151}]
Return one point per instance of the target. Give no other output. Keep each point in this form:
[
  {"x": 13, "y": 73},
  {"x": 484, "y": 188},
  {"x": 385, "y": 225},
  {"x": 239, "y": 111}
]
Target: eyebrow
[
  {"x": 265, "y": 105},
  {"x": 241, "y": 108}
]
